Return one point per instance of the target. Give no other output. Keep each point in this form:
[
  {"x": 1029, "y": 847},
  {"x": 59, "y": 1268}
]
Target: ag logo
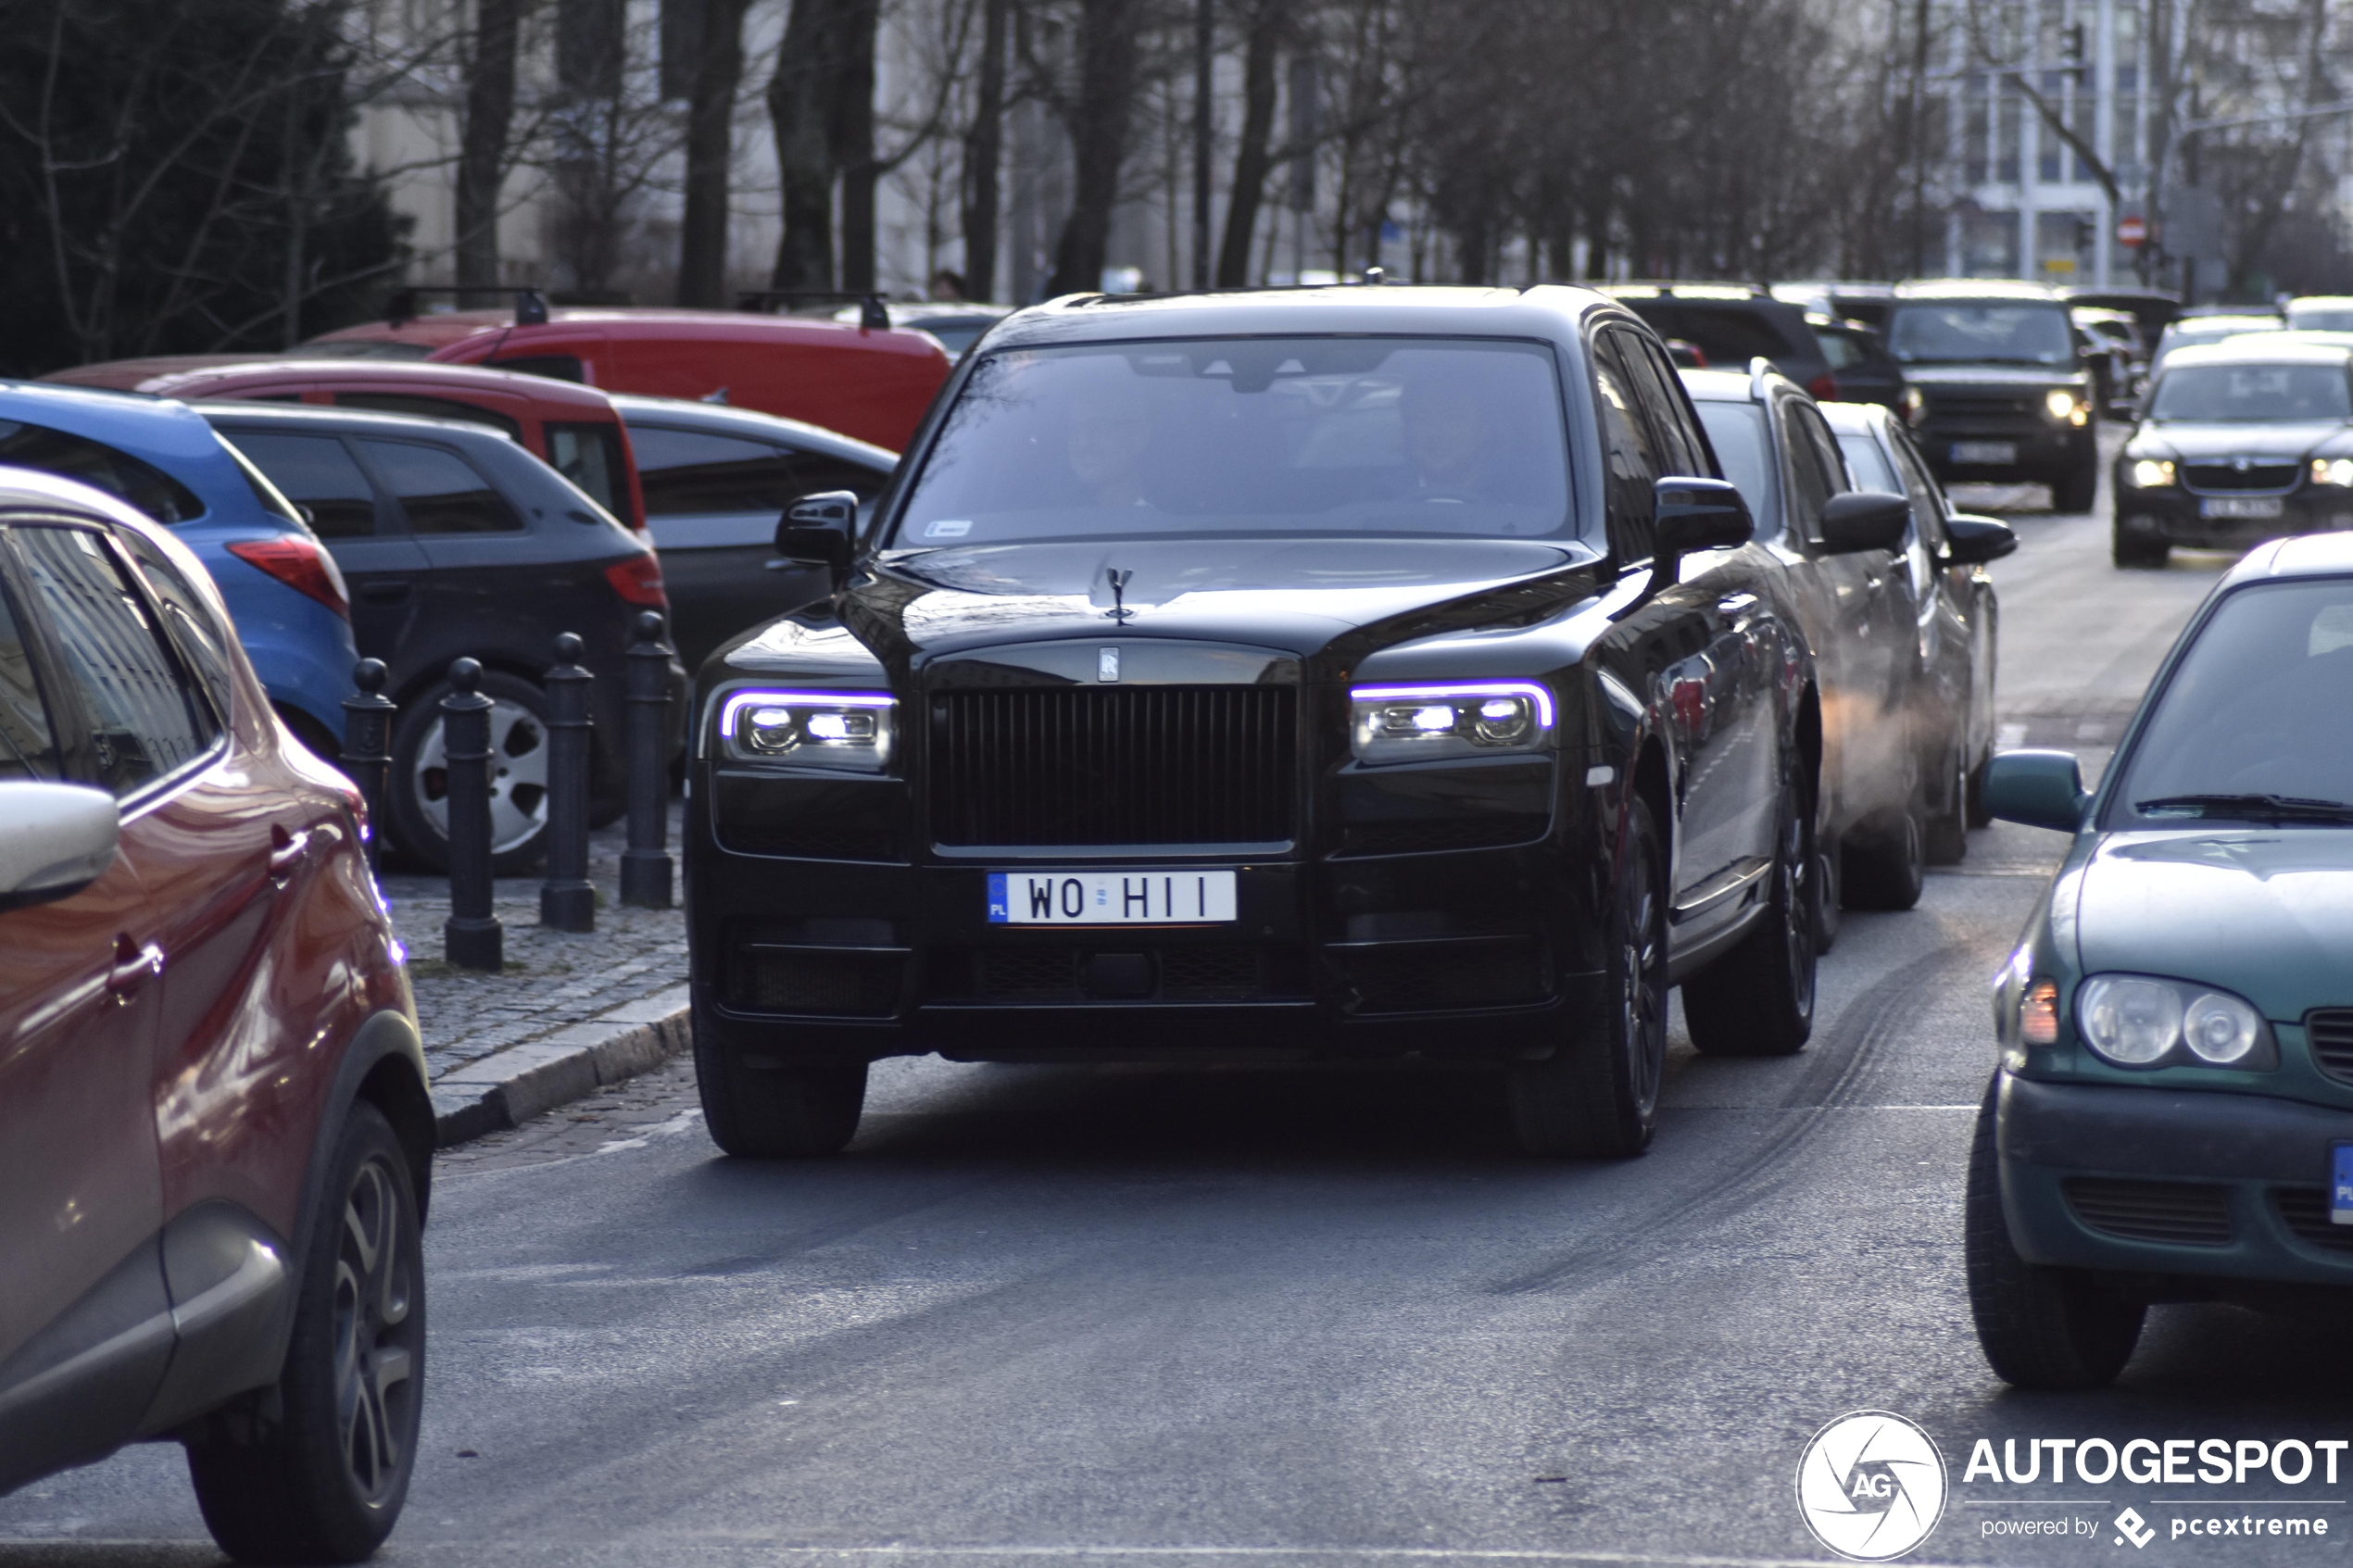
[{"x": 1872, "y": 1485}]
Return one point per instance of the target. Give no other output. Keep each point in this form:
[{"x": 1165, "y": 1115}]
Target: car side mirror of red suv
[{"x": 56, "y": 839}]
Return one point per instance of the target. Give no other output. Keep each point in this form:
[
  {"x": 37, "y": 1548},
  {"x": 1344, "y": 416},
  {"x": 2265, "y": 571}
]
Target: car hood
[
  {"x": 2265, "y": 913},
  {"x": 1992, "y": 375},
  {"x": 2194, "y": 440},
  {"x": 1328, "y": 601}
]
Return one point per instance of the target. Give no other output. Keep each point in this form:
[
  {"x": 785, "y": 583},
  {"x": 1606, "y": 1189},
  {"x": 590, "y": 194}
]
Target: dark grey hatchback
[{"x": 457, "y": 543}]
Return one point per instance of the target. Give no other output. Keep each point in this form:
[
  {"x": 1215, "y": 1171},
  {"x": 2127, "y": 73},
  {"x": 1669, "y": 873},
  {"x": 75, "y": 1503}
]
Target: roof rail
[{"x": 1759, "y": 369}]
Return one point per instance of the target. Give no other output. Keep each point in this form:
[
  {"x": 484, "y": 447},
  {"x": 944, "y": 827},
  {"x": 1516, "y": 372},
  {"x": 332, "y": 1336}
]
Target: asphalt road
[{"x": 1064, "y": 1315}]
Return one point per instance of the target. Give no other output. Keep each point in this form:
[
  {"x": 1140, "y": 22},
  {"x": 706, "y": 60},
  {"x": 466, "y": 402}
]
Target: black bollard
[
  {"x": 645, "y": 865},
  {"x": 367, "y": 747},
  {"x": 568, "y": 899},
  {"x": 471, "y": 938}
]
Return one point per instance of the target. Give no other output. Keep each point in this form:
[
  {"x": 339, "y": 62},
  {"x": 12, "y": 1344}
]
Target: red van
[
  {"x": 574, "y": 429},
  {"x": 872, "y": 386}
]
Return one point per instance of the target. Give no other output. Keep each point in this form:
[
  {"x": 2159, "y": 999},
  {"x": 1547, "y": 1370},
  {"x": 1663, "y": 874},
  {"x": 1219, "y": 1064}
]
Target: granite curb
[{"x": 509, "y": 1087}]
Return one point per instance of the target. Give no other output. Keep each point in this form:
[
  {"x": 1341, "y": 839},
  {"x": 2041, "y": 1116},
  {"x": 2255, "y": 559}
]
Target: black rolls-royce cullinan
[{"x": 1359, "y": 671}]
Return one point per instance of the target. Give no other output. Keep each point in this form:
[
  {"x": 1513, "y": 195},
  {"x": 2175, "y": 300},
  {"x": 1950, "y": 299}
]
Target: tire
[
  {"x": 2078, "y": 490},
  {"x": 2137, "y": 555},
  {"x": 317, "y": 1469},
  {"x": 1758, "y": 999},
  {"x": 1596, "y": 1098},
  {"x": 419, "y": 814},
  {"x": 1946, "y": 832},
  {"x": 793, "y": 1110},
  {"x": 2041, "y": 1327},
  {"x": 1886, "y": 860}
]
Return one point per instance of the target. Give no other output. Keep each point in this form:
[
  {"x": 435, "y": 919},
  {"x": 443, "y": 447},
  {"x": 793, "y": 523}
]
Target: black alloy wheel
[
  {"x": 1758, "y": 999},
  {"x": 1596, "y": 1098},
  {"x": 2133, "y": 554},
  {"x": 760, "y": 1107},
  {"x": 316, "y": 1469},
  {"x": 1947, "y": 826},
  {"x": 2041, "y": 1327}
]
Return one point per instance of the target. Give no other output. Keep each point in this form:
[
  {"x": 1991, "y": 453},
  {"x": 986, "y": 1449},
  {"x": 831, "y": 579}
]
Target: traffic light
[
  {"x": 2076, "y": 63},
  {"x": 2086, "y": 232}
]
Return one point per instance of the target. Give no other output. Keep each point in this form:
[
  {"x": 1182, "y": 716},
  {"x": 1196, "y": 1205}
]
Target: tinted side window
[
  {"x": 1810, "y": 487},
  {"x": 1678, "y": 453},
  {"x": 28, "y": 746},
  {"x": 1818, "y": 434},
  {"x": 316, "y": 471},
  {"x": 555, "y": 366},
  {"x": 590, "y": 455},
  {"x": 1630, "y": 459},
  {"x": 687, "y": 472},
  {"x": 202, "y": 640},
  {"x": 1928, "y": 502},
  {"x": 428, "y": 407},
  {"x": 440, "y": 492},
  {"x": 813, "y": 472},
  {"x": 120, "y": 474},
  {"x": 145, "y": 722}
]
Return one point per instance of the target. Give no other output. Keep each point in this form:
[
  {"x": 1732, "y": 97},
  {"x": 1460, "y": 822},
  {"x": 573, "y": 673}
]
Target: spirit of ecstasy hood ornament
[{"x": 1118, "y": 580}]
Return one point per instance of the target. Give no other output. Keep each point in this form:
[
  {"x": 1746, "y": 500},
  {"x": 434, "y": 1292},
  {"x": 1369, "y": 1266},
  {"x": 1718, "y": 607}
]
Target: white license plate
[
  {"x": 2240, "y": 505},
  {"x": 1111, "y": 897},
  {"x": 1988, "y": 453}
]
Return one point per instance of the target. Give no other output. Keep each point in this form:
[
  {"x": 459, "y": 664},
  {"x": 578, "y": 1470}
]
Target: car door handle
[
  {"x": 286, "y": 851},
  {"x": 384, "y": 593},
  {"x": 132, "y": 962}
]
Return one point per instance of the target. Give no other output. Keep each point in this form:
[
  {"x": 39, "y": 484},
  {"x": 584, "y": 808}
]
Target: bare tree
[
  {"x": 984, "y": 154},
  {"x": 486, "y": 140}
]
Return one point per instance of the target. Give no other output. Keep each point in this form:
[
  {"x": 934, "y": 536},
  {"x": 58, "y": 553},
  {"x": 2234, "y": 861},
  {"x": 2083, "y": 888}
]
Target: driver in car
[{"x": 1449, "y": 437}]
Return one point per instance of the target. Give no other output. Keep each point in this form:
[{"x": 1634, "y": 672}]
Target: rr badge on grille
[{"x": 1107, "y": 665}]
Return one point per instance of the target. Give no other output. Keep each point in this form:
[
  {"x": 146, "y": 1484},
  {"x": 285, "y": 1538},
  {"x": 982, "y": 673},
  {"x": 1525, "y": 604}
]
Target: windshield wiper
[{"x": 2272, "y": 808}]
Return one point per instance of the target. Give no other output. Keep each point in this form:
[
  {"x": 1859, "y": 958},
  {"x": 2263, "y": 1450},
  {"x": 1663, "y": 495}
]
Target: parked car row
[{"x": 1415, "y": 670}]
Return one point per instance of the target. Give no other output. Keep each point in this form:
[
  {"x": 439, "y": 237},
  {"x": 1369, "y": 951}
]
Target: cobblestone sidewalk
[{"x": 553, "y": 980}]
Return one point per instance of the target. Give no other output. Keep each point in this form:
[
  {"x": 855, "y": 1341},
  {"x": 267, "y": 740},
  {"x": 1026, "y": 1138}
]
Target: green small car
[{"x": 2172, "y": 1115}]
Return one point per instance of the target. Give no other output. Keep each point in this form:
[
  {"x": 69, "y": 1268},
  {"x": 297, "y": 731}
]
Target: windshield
[
  {"x": 2320, "y": 318},
  {"x": 1737, "y": 431},
  {"x": 2252, "y": 395},
  {"x": 1981, "y": 335},
  {"x": 1249, "y": 436},
  {"x": 2261, "y": 705}
]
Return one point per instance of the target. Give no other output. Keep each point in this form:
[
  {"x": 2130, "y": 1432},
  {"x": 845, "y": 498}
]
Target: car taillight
[
  {"x": 1824, "y": 387},
  {"x": 300, "y": 565},
  {"x": 638, "y": 580}
]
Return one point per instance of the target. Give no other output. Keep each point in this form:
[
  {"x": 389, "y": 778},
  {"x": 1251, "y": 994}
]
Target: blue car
[{"x": 281, "y": 588}]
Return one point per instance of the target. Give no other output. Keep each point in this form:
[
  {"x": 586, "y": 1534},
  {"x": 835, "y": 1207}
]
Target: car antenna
[{"x": 873, "y": 315}]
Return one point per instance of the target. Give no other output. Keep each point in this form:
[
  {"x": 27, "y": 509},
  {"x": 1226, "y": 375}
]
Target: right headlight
[
  {"x": 2150, "y": 473},
  {"x": 849, "y": 732},
  {"x": 2143, "y": 1021},
  {"x": 2332, "y": 470}
]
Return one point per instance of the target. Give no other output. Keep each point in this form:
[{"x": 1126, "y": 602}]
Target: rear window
[
  {"x": 1743, "y": 449},
  {"x": 590, "y": 455},
  {"x": 99, "y": 466},
  {"x": 428, "y": 407},
  {"x": 1730, "y": 337},
  {"x": 1868, "y": 465},
  {"x": 440, "y": 491}
]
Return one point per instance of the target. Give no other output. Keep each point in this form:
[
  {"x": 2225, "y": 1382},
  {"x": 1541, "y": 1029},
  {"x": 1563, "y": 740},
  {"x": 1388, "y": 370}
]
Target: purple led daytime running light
[{"x": 1538, "y": 695}]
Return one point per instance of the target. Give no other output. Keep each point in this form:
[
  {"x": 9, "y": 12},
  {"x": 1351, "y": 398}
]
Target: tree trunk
[
  {"x": 853, "y": 139},
  {"x": 1098, "y": 124},
  {"x": 800, "y": 115},
  {"x": 984, "y": 158},
  {"x": 1251, "y": 162},
  {"x": 482, "y": 150},
  {"x": 710, "y": 113}
]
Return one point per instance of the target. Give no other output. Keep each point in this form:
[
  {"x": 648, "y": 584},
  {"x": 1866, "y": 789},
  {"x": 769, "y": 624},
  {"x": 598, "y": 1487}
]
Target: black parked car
[
  {"x": 717, "y": 480},
  {"x": 1271, "y": 677},
  {"x": 2008, "y": 399},
  {"x": 2243, "y": 441},
  {"x": 1732, "y": 324},
  {"x": 1884, "y": 784},
  {"x": 1861, "y": 368},
  {"x": 456, "y": 542}
]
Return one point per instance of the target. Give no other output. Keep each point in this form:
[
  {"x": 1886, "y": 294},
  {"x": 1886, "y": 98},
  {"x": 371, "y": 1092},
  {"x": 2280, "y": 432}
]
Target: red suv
[{"x": 214, "y": 1124}]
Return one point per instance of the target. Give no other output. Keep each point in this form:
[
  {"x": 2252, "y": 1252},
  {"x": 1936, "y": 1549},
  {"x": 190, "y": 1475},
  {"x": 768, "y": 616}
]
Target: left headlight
[
  {"x": 2143, "y": 1021},
  {"x": 2064, "y": 404},
  {"x": 1425, "y": 722},
  {"x": 2332, "y": 470},
  {"x": 851, "y": 732}
]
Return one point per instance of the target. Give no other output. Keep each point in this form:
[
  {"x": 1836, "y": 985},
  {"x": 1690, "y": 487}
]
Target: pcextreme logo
[{"x": 1872, "y": 1485}]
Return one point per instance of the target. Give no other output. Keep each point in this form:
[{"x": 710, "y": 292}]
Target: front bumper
[
  {"x": 2174, "y": 515},
  {"x": 2043, "y": 450},
  {"x": 2171, "y": 1181}
]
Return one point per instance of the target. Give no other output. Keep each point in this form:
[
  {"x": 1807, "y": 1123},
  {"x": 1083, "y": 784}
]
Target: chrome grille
[{"x": 1142, "y": 765}]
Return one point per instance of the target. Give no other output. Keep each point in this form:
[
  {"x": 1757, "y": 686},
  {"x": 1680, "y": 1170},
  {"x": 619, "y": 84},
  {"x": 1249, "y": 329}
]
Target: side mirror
[
  {"x": 2041, "y": 789},
  {"x": 1699, "y": 514},
  {"x": 1976, "y": 540},
  {"x": 1864, "y": 520},
  {"x": 55, "y": 840},
  {"x": 816, "y": 530}
]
